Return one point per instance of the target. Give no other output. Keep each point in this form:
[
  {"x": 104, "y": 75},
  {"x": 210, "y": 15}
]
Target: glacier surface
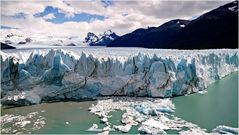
[{"x": 31, "y": 76}]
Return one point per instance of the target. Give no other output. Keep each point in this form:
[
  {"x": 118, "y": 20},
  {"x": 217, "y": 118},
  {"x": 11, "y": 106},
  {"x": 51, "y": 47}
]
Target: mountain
[
  {"x": 39, "y": 40},
  {"x": 151, "y": 36},
  {"x": 101, "y": 40},
  {"x": 6, "y": 46},
  {"x": 215, "y": 29}
]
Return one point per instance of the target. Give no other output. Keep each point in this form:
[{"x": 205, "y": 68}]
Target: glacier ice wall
[{"x": 73, "y": 74}]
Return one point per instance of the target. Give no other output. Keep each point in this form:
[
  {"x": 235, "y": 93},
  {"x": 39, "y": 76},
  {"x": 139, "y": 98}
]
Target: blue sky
[
  {"x": 7, "y": 27},
  {"x": 63, "y": 17},
  {"x": 19, "y": 15}
]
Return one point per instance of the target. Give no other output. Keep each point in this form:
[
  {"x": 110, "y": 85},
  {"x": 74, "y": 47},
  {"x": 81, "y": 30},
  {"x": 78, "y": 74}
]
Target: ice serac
[{"x": 73, "y": 74}]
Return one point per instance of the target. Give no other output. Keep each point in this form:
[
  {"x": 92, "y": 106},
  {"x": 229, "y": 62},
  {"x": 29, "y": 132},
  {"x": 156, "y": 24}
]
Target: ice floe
[
  {"x": 21, "y": 124},
  {"x": 222, "y": 129},
  {"x": 135, "y": 116}
]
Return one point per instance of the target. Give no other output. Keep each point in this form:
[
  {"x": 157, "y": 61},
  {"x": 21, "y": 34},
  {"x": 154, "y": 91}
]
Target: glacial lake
[{"x": 219, "y": 106}]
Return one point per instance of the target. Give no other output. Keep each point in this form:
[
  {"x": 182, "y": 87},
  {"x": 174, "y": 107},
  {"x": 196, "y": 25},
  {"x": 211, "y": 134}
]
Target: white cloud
[
  {"x": 139, "y": 14},
  {"x": 49, "y": 16}
]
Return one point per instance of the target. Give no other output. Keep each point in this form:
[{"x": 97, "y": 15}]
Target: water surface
[{"x": 219, "y": 106}]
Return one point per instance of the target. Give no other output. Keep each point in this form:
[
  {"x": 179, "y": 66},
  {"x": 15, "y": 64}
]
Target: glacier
[{"x": 32, "y": 76}]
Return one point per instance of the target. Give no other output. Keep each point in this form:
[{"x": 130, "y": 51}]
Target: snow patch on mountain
[
  {"x": 182, "y": 25},
  {"x": 101, "y": 40},
  {"x": 234, "y": 8}
]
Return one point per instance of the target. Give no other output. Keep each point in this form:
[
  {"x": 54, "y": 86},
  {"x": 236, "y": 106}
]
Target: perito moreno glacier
[{"x": 33, "y": 76}]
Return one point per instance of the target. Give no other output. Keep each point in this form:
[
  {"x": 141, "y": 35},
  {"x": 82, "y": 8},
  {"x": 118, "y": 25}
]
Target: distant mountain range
[
  {"x": 38, "y": 40},
  {"x": 101, "y": 40},
  {"x": 28, "y": 41},
  {"x": 215, "y": 29}
]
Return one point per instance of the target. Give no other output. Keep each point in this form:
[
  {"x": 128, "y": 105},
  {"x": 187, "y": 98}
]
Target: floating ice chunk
[
  {"x": 194, "y": 131},
  {"x": 19, "y": 122},
  {"x": 222, "y": 129},
  {"x": 104, "y": 120},
  {"x": 104, "y": 133},
  {"x": 22, "y": 123},
  {"x": 153, "y": 112},
  {"x": 107, "y": 128},
  {"x": 142, "y": 109},
  {"x": 127, "y": 119},
  {"x": 146, "y": 111},
  {"x": 124, "y": 129},
  {"x": 202, "y": 92},
  {"x": 165, "y": 109},
  {"x": 144, "y": 130},
  {"x": 155, "y": 124},
  {"x": 94, "y": 128},
  {"x": 139, "y": 119}
]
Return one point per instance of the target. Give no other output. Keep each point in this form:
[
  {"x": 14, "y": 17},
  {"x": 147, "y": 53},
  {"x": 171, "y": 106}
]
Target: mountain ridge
[
  {"x": 214, "y": 29},
  {"x": 100, "y": 40}
]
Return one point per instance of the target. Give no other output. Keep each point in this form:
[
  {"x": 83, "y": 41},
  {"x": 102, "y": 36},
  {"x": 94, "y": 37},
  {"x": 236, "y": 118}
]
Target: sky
[{"x": 77, "y": 18}]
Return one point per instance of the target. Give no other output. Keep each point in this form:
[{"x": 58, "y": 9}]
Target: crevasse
[{"x": 66, "y": 74}]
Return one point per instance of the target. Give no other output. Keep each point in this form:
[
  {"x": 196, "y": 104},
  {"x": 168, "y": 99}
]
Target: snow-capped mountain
[
  {"x": 91, "y": 38},
  {"x": 151, "y": 36},
  {"x": 215, "y": 29},
  {"x": 101, "y": 40},
  {"x": 13, "y": 38},
  {"x": 39, "y": 40},
  {"x": 234, "y": 8}
]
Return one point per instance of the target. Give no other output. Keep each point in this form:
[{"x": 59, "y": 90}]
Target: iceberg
[
  {"x": 124, "y": 129},
  {"x": 144, "y": 130},
  {"x": 155, "y": 124},
  {"x": 222, "y": 129},
  {"x": 165, "y": 109},
  {"x": 76, "y": 73},
  {"x": 33, "y": 120},
  {"x": 94, "y": 128}
]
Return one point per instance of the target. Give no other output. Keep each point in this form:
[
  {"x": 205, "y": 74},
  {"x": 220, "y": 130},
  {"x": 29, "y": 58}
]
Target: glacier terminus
[{"x": 32, "y": 76}]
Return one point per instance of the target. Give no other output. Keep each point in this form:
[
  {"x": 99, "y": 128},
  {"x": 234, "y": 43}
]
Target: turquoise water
[
  {"x": 58, "y": 114},
  {"x": 219, "y": 106}
]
